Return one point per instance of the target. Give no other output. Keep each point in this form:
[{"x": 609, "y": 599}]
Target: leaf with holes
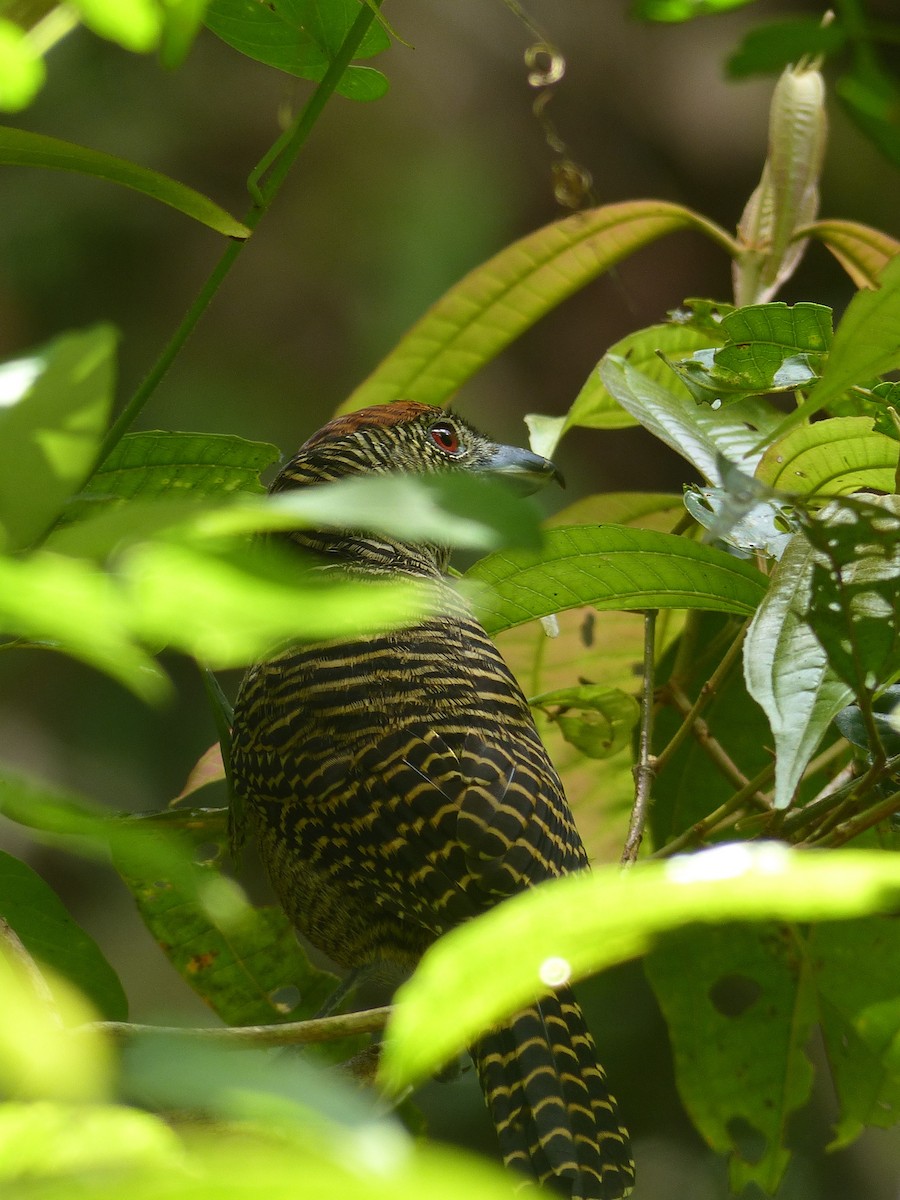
[
  {"x": 594, "y": 920},
  {"x": 767, "y": 348},
  {"x": 739, "y": 1020}
]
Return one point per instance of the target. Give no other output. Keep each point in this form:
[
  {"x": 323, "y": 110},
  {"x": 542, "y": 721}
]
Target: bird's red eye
[{"x": 445, "y": 438}]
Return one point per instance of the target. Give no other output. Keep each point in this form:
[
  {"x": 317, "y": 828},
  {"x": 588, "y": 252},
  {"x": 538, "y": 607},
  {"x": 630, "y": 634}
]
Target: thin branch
[
  {"x": 715, "y": 751},
  {"x": 291, "y": 1033},
  {"x": 707, "y": 694},
  {"x": 644, "y": 771},
  {"x": 733, "y": 806}
]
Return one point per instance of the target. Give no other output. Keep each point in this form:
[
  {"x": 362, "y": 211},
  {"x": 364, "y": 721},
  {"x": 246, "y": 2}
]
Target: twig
[
  {"x": 707, "y": 693},
  {"x": 714, "y": 750},
  {"x": 698, "y": 831},
  {"x": 644, "y": 771},
  {"x": 291, "y": 1033}
]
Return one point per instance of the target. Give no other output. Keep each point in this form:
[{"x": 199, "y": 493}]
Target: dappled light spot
[{"x": 285, "y": 999}]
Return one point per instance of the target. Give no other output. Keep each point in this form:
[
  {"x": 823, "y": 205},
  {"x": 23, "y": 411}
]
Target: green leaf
[
  {"x": 499, "y": 300},
  {"x": 134, "y": 24},
  {"x": 866, "y": 343},
  {"x": 682, "y": 10},
  {"x": 182, "y": 21},
  {"x": 767, "y": 49},
  {"x": 244, "y": 962},
  {"x": 855, "y": 590},
  {"x": 146, "y": 465},
  {"x": 230, "y": 607},
  {"x": 831, "y": 457},
  {"x": 59, "y": 1147},
  {"x": 451, "y": 510},
  {"x": 597, "y": 720},
  {"x": 787, "y": 671},
  {"x": 739, "y": 1021},
  {"x": 75, "y": 608},
  {"x": 870, "y": 94},
  {"x": 21, "y": 148},
  {"x": 22, "y": 69},
  {"x": 611, "y": 567},
  {"x": 285, "y": 36},
  {"x": 698, "y": 433},
  {"x": 767, "y": 348},
  {"x": 591, "y": 921},
  {"x": 862, "y": 251},
  {"x": 51, "y": 937},
  {"x": 328, "y": 24},
  {"x": 54, "y": 407},
  {"x": 39, "y": 1056},
  {"x": 596, "y": 408},
  {"x": 859, "y": 1010}
]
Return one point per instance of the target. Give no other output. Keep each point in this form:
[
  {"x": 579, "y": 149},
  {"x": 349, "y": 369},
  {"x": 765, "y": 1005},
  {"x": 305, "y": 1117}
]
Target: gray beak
[{"x": 527, "y": 472}]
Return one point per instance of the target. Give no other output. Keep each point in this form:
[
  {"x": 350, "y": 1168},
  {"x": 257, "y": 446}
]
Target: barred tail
[{"x": 549, "y": 1102}]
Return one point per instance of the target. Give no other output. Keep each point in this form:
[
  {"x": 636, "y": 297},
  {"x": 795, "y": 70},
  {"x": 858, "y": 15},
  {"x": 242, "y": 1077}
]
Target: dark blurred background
[{"x": 388, "y": 205}]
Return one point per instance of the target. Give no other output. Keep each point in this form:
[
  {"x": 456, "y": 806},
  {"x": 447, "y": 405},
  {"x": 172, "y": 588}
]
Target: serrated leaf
[
  {"x": 53, "y": 939},
  {"x": 862, "y": 251},
  {"x": 787, "y": 671},
  {"x": 21, "y": 148},
  {"x": 54, "y": 407},
  {"x": 866, "y": 344},
  {"x": 499, "y": 300},
  {"x": 611, "y": 567},
  {"x": 739, "y": 1021},
  {"x": 767, "y": 348},
  {"x": 698, "y": 433},
  {"x": 594, "y": 920},
  {"x": 832, "y": 457}
]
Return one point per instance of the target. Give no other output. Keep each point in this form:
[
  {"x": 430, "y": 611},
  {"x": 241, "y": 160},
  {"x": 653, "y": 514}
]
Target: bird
[{"x": 396, "y": 786}]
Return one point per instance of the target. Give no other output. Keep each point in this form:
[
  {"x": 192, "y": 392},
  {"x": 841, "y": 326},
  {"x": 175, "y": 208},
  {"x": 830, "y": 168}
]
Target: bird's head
[
  {"x": 413, "y": 438},
  {"x": 404, "y": 437}
]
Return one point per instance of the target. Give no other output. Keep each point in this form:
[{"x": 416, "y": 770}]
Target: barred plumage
[{"x": 397, "y": 786}]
